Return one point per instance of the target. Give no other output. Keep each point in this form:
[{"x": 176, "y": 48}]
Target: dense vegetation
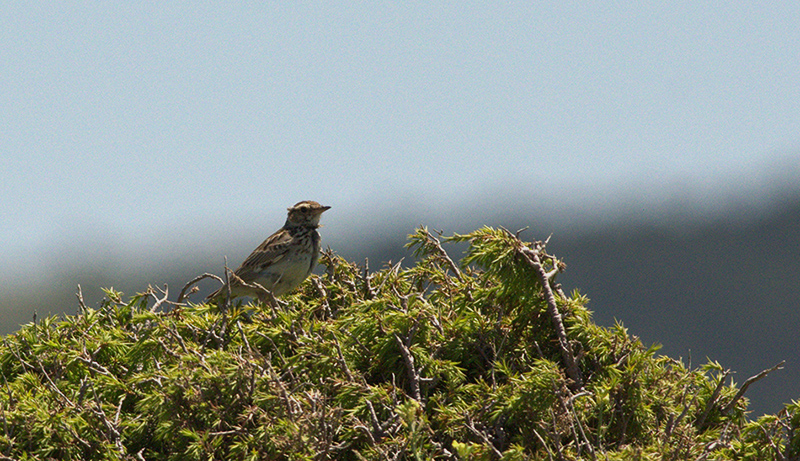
[{"x": 486, "y": 359}]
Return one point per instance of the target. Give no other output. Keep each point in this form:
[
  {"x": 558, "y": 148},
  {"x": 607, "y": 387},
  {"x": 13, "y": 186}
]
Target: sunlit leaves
[{"x": 440, "y": 359}]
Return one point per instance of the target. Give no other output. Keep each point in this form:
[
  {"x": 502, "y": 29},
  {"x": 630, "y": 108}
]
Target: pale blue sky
[{"x": 133, "y": 124}]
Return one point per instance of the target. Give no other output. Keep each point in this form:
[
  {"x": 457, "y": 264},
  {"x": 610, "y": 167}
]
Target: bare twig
[
  {"x": 364, "y": 349},
  {"x": 264, "y": 295},
  {"x": 573, "y": 371},
  {"x": 81, "y": 303},
  {"x": 152, "y": 292},
  {"x": 323, "y": 295},
  {"x": 713, "y": 399},
  {"x": 673, "y": 423},
  {"x": 369, "y": 292},
  {"x": 342, "y": 361},
  {"x": 411, "y": 370},
  {"x": 224, "y": 433},
  {"x": 175, "y": 334},
  {"x": 393, "y": 271},
  {"x": 190, "y": 285},
  {"x": 768, "y": 438},
  {"x": 724, "y": 410},
  {"x": 288, "y": 401},
  {"x": 379, "y": 431},
  {"x": 584, "y": 440},
  {"x": 484, "y": 438},
  {"x": 244, "y": 337},
  {"x": 228, "y": 273},
  {"x": 54, "y": 387},
  {"x": 437, "y": 246},
  {"x": 544, "y": 444},
  {"x": 94, "y": 366},
  {"x": 25, "y": 365},
  {"x": 113, "y": 432}
]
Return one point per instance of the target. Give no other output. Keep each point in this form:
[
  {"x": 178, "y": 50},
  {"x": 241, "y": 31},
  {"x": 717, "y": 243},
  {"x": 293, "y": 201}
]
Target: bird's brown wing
[{"x": 271, "y": 250}]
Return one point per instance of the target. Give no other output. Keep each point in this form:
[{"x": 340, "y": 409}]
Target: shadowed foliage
[{"x": 436, "y": 361}]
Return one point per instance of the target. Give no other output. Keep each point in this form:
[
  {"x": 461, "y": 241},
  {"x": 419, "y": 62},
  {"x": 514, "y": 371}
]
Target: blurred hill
[{"x": 725, "y": 288}]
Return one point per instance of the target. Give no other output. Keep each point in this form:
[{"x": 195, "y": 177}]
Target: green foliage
[{"x": 435, "y": 361}]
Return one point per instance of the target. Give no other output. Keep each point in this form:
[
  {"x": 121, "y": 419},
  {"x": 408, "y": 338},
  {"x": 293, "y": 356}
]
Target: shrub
[{"x": 488, "y": 359}]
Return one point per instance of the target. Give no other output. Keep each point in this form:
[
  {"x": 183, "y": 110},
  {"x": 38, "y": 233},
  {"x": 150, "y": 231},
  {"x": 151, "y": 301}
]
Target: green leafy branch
[{"x": 486, "y": 358}]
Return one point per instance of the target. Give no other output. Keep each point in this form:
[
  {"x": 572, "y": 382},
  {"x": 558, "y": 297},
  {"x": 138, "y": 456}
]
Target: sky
[{"x": 131, "y": 124}]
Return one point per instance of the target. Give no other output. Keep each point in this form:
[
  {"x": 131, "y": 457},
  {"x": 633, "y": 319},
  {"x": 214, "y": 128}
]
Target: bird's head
[{"x": 305, "y": 213}]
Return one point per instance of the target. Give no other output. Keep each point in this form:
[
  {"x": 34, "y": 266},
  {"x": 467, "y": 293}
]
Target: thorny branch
[
  {"x": 159, "y": 301},
  {"x": 482, "y": 435},
  {"x": 81, "y": 303},
  {"x": 369, "y": 291},
  {"x": 342, "y": 361},
  {"x": 724, "y": 410},
  {"x": 713, "y": 399},
  {"x": 411, "y": 370},
  {"x": 190, "y": 287},
  {"x": 580, "y": 435},
  {"x": 323, "y": 295},
  {"x": 434, "y": 244},
  {"x": 532, "y": 258},
  {"x": 264, "y": 295},
  {"x": 380, "y": 430},
  {"x": 569, "y": 433},
  {"x": 672, "y": 422}
]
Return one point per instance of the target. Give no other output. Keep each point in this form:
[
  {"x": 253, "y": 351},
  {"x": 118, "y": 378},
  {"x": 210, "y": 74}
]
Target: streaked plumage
[{"x": 284, "y": 259}]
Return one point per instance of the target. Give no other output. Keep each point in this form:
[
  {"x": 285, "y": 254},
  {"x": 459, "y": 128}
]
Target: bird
[{"x": 283, "y": 260}]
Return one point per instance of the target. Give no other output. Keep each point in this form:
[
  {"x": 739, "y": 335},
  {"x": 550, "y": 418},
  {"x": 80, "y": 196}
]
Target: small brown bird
[{"x": 284, "y": 259}]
